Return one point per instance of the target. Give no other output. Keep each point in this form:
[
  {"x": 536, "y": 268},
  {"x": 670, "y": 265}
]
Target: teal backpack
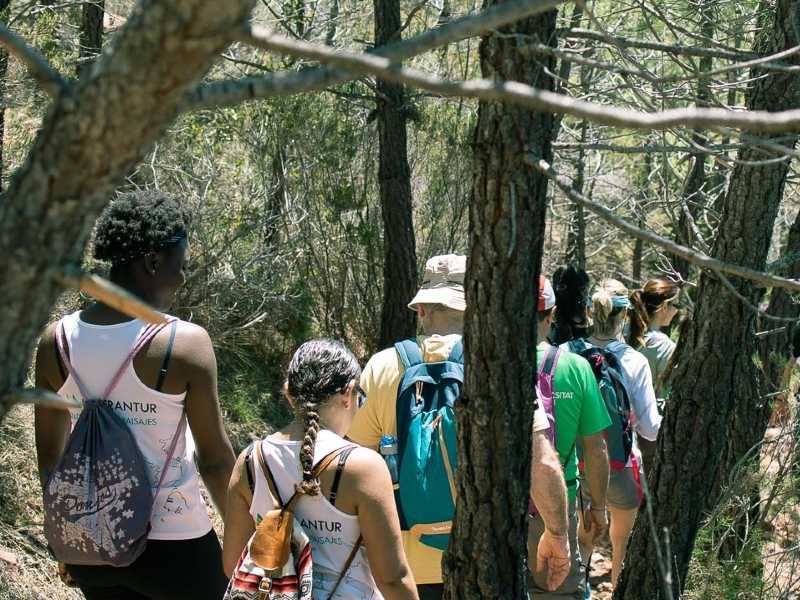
[{"x": 426, "y": 443}]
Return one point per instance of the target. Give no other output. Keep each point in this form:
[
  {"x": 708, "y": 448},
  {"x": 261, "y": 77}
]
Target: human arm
[
  {"x": 215, "y": 457},
  {"x": 643, "y": 399},
  {"x": 380, "y": 525},
  {"x": 595, "y": 457},
  {"x": 239, "y": 524},
  {"x": 51, "y": 425},
  {"x": 549, "y": 493}
]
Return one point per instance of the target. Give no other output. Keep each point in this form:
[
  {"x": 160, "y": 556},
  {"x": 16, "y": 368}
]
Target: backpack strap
[
  {"x": 615, "y": 346},
  {"x": 170, "y": 453},
  {"x": 347, "y": 564},
  {"x": 548, "y": 366},
  {"x": 59, "y": 332},
  {"x": 147, "y": 334},
  {"x": 457, "y": 353},
  {"x": 409, "y": 353},
  {"x": 273, "y": 487},
  {"x": 162, "y": 373},
  {"x": 338, "y": 476},
  {"x": 323, "y": 464}
]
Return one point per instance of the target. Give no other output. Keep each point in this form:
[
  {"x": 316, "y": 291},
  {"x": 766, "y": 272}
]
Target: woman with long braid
[{"x": 351, "y": 500}]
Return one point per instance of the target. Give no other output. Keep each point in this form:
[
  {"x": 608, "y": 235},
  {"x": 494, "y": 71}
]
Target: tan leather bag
[{"x": 271, "y": 543}]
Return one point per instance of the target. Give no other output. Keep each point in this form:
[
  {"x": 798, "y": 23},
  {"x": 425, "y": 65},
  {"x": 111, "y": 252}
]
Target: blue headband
[{"x": 620, "y": 302}]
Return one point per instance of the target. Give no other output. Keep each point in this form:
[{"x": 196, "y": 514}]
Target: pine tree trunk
[
  {"x": 715, "y": 414},
  {"x": 486, "y": 557},
  {"x": 91, "y": 34},
  {"x": 3, "y": 79},
  {"x": 94, "y": 133},
  {"x": 394, "y": 180}
]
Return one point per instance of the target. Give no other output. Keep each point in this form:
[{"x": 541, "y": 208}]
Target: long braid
[
  {"x": 310, "y": 485},
  {"x": 318, "y": 370}
]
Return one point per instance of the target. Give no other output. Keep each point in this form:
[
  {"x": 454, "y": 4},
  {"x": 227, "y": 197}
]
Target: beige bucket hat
[{"x": 443, "y": 282}]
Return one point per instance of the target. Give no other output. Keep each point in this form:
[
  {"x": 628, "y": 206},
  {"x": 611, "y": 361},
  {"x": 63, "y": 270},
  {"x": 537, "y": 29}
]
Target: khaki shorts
[{"x": 624, "y": 490}]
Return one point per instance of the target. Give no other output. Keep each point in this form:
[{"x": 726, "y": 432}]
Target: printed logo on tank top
[
  {"x": 142, "y": 414},
  {"x": 321, "y": 531}
]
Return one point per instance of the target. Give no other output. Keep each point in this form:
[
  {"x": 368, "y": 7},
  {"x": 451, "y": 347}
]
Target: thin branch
[
  {"x": 623, "y": 42},
  {"x": 524, "y": 95},
  {"x": 696, "y": 258},
  {"x": 761, "y": 312},
  {"x": 226, "y": 93},
  {"x": 39, "y": 397},
  {"x": 45, "y": 75},
  {"x": 110, "y": 294}
]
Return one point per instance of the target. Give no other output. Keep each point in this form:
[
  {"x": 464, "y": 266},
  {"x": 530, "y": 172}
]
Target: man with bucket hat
[{"x": 440, "y": 304}]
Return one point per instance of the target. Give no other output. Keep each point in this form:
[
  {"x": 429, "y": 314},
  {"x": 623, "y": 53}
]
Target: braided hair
[
  {"x": 137, "y": 223},
  {"x": 319, "y": 369}
]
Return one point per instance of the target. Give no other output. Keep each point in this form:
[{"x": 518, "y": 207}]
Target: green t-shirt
[{"x": 579, "y": 409}]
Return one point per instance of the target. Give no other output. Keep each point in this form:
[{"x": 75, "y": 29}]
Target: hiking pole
[{"x": 110, "y": 294}]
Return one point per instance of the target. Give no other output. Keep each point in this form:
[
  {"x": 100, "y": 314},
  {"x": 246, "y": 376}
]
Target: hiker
[
  {"x": 352, "y": 497},
  {"x": 652, "y": 308},
  {"x": 438, "y": 356},
  {"x": 570, "y": 396},
  {"x": 172, "y": 380},
  {"x": 637, "y": 415},
  {"x": 571, "y": 320}
]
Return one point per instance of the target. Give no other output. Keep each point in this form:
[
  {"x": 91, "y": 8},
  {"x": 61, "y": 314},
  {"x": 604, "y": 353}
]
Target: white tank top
[
  {"x": 96, "y": 352},
  {"x": 331, "y": 531}
]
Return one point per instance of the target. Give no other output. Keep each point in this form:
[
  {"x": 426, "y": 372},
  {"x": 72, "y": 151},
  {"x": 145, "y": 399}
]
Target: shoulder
[
  {"x": 658, "y": 340},
  {"x": 364, "y": 464},
  {"x": 192, "y": 345},
  {"x": 383, "y": 368}
]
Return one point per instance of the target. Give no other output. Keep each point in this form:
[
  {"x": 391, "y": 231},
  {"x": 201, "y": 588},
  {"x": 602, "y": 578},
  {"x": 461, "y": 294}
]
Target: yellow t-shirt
[{"x": 380, "y": 380}]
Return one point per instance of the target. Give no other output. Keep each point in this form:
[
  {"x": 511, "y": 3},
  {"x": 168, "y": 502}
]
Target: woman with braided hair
[{"x": 352, "y": 498}]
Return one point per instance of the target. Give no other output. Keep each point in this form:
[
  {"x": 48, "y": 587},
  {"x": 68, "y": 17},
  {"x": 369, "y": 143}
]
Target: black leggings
[{"x": 166, "y": 570}]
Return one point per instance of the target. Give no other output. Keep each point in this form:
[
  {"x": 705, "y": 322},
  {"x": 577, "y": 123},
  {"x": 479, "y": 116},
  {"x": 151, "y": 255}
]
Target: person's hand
[
  {"x": 596, "y": 522},
  {"x": 64, "y": 575},
  {"x": 553, "y": 555}
]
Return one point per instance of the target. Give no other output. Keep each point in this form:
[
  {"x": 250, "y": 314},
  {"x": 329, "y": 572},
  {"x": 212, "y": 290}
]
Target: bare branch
[
  {"x": 45, "y": 75},
  {"x": 226, "y": 93},
  {"x": 675, "y": 49},
  {"x": 524, "y": 95},
  {"x": 110, "y": 294},
  {"x": 39, "y": 397},
  {"x": 696, "y": 258}
]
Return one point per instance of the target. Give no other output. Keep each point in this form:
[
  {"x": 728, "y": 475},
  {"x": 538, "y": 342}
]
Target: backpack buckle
[{"x": 418, "y": 389}]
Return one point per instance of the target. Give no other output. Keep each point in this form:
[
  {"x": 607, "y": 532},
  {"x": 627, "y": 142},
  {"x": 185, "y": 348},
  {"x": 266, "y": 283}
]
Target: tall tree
[
  {"x": 3, "y": 80},
  {"x": 94, "y": 133},
  {"x": 711, "y": 422},
  {"x": 91, "y": 34},
  {"x": 486, "y": 557},
  {"x": 394, "y": 180}
]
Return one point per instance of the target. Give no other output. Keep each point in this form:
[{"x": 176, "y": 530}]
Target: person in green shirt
[{"x": 580, "y": 414}]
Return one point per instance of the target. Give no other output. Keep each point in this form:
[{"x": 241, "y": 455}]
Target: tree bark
[
  {"x": 486, "y": 557},
  {"x": 91, "y": 34},
  {"x": 394, "y": 180},
  {"x": 3, "y": 80},
  {"x": 93, "y": 134},
  {"x": 715, "y": 414}
]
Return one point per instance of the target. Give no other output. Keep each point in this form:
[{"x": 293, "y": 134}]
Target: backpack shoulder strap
[
  {"x": 338, "y": 476},
  {"x": 550, "y": 361},
  {"x": 347, "y": 564},
  {"x": 409, "y": 353},
  {"x": 615, "y": 346},
  {"x": 249, "y": 468},
  {"x": 457, "y": 353},
  {"x": 273, "y": 487}
]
